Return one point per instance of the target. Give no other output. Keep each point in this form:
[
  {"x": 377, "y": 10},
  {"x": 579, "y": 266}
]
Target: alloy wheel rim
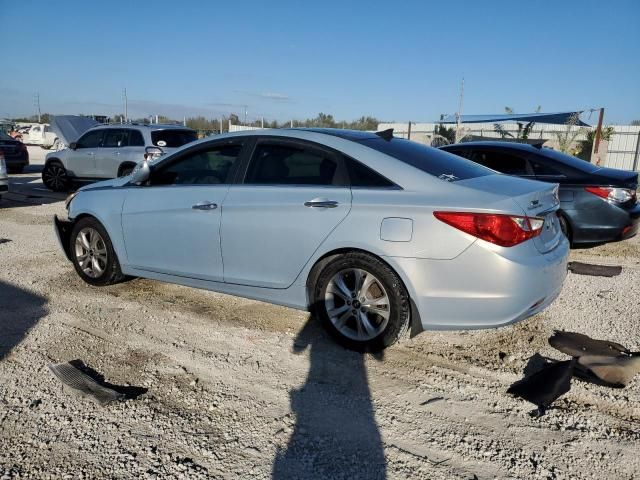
[
  {"x": 91, "y": 252},
  {"x": 357, "y": 304},
  {"x": 54, "y": 176}
]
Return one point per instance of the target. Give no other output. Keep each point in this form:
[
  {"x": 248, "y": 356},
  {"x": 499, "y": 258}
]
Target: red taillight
[
  {"x": 599, "y": 191},
  {"x": 503, "y": 230}
]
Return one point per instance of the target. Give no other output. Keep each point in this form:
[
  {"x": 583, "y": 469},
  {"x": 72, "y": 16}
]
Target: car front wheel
[
  {"x": 362, "y": 302},
  {"x": 92, "y": 253},
  {"x": 54, "y": 177}
]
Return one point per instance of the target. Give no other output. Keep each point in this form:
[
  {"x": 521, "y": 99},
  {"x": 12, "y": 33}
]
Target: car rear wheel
[
  {"x": 564, "y": 227},
  {"x": 92, "y": 253},
  {"x": 125, "y": 170},
  {"x": 54, "y": 177},
  {"x": 362, "y": 302}
]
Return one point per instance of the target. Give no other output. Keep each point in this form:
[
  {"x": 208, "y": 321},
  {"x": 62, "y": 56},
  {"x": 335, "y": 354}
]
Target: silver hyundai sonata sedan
[{"x": 374, "y": 234}]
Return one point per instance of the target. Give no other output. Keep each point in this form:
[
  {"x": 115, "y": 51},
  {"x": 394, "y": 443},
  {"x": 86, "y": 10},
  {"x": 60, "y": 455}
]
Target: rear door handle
[
  {"x": 321, "y": 203},
  {"x": 205, "y": 206}
]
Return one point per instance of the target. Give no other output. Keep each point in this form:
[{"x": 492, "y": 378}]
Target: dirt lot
[{"x": 239, "y": 389}]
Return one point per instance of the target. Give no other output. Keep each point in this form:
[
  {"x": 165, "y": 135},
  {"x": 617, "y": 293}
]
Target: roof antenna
[{"x": 386, "y": 134}]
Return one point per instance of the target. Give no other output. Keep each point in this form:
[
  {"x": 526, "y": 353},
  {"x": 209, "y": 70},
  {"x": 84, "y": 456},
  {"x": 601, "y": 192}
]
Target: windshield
[
  {"x": 438, "y": 163},
  {"x": 172, "y": 138}
]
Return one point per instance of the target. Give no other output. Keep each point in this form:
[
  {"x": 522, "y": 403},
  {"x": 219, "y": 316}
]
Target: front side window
[
  {"x": 115, "y": 138},
  {"x": 172, "y": 137},
  {"x": 282, "y": 164},
  {"x": 211, "y": 166},
  {"x": 91, "y": 139}
]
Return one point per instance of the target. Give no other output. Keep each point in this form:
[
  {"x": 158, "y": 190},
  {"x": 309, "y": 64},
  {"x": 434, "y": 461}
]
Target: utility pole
[
  {"x": 459, "y": 114},
  {"x": 245, "y": 115},
  {"x": 124, "y": 98},
  {"x": 37, "y": 105}
]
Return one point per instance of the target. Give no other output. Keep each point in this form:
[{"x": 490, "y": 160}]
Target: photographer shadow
[{"x": 336, "y": 434}]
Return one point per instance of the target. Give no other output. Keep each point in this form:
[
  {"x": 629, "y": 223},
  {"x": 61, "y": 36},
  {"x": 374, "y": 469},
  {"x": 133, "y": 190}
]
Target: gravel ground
[{"x": 235, "y": 388}]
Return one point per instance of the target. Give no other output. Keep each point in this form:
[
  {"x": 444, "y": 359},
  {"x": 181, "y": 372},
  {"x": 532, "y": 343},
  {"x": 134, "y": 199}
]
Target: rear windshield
[
  {"x": 570, "y": 161},
  {"x": 438, "y": 163},
  {"x": 172, "y": 138},
  {"x": 4, "y": 136}
]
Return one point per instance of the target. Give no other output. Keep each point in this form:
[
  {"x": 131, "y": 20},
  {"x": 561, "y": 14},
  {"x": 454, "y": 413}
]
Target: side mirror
[
  {"x": 141, "y": 173},
  {"x": 153, "y": 153},
  {"x": 73, "y": 145}
]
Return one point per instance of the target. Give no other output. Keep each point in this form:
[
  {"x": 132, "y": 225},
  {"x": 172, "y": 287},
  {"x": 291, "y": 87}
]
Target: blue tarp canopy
[{"x": 560, "y": 118}]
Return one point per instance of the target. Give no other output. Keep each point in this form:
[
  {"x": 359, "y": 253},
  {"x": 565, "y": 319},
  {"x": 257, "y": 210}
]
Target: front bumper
[
  {"x": 484, "y": 287},
  {"x": 62, "y": 229}
]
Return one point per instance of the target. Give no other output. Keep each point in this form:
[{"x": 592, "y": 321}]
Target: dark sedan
[
  {"x": 597, "y": 204},
  {"x": 15, "y": 153}
]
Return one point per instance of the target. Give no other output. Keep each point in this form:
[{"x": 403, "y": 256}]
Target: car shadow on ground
[
  {"x": 20, "y": 311},
  {"x": 27, "y": 191},
  {"x": 336, "y": 434}
]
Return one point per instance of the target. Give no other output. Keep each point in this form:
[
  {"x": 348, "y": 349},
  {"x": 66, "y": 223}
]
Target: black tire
[
  {"x": 110, "y": 267},
  {"x": 565, "y": 227},
  {"x": 54, "y": 177},
  {"x": 398, "y": 304},
  {"x": 125, "y": 170}
]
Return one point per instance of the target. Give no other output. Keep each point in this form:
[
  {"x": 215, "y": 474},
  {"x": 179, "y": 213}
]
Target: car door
[
  {"x": 109, "y": 153},
  {"x": 133, "y": 151},
  {"x": 172, "y": 224},
  {"x": 81, "y": 162},
  {"x": 292, "y": 196}
]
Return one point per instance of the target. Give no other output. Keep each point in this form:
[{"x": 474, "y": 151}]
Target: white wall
[{"x": 622, "y": 146}]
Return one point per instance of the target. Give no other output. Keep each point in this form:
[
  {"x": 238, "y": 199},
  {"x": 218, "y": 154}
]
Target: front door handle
[
  {"x": 321, "y": 203},
  {"x": 205, "y": 206}
]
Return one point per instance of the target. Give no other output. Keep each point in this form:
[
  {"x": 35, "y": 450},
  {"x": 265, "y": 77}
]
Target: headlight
[
  {"x": 3, "y": 166},
  {"x": 67, "y": 200}
]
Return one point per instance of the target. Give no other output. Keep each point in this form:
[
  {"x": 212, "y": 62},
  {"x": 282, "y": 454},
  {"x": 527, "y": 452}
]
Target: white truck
[{"x": 41, "y": 134}]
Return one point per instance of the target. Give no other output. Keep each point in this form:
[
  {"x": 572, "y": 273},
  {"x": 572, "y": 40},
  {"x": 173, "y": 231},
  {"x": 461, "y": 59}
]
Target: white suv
[{"x": 110, "y": 151}]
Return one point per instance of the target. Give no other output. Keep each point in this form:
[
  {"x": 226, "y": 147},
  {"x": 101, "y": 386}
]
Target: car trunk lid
[
  {"x": 535, "y": 199},
  {"x": 618, "y": 178}
]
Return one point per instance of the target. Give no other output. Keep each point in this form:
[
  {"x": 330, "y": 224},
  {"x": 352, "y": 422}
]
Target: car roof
[
  {"x": 154, "y": 126},
  {"x": 488, "y": 143}
]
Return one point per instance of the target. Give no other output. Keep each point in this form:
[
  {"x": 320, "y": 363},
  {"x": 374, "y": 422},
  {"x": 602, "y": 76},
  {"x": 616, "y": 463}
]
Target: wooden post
[
  {"x": 409, "y": 132},
  {"x": 596, "y": 142},
  {"x": 636, "y": 157}
]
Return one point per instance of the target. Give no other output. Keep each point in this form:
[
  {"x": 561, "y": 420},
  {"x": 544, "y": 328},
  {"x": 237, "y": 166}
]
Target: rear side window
[
  {"x": 135, "y": 139},
  {"x": 362, "y": 176},
  {"x": 282, "y": 164},
  {"x": 172, "y": 138},
  {"x": 542, "y": 168},
  {"x": 438, "y": 163},
  {"x": 503, "y": 162},
  {"x": 115, "y": 138}
]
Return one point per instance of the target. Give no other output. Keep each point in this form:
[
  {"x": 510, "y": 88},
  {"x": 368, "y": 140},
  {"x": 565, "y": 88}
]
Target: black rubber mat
[
  {"x": 594, "y": 270},
  {"x": 73, "y": 377}
]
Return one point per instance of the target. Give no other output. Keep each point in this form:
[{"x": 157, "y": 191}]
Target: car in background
[
  {"x": 4, "y": 178},
  {"x": 15, "y": 153},
  {"x": 109, "y": 151},
  {"x": 41, "y": 134},
  {"x": 597, "y": 204},
  {"x": 372, "y": 233}
]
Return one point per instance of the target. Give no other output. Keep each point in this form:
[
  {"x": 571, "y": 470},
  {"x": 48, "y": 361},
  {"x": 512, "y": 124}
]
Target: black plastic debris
[
  {"x": 5, "y": 240},
  {"x": 580, "y": 268},
  {"x": 73, "y": 375}
]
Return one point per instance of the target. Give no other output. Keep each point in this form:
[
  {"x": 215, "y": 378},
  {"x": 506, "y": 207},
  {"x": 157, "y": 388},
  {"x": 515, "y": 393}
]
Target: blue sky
[{"x": 393, "y": 60}]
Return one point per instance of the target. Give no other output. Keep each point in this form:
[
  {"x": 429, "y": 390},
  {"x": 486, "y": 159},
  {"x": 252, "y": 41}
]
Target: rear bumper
[
  {"x": 485, "y": 286},
  {"x": 62, "y": 229},
  {"x": 605, "y": 223}
]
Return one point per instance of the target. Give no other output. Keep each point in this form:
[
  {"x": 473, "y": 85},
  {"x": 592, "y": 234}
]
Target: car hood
[
  {"x": 68, "y": 128},
  {"x": 113, "y": 183}
]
